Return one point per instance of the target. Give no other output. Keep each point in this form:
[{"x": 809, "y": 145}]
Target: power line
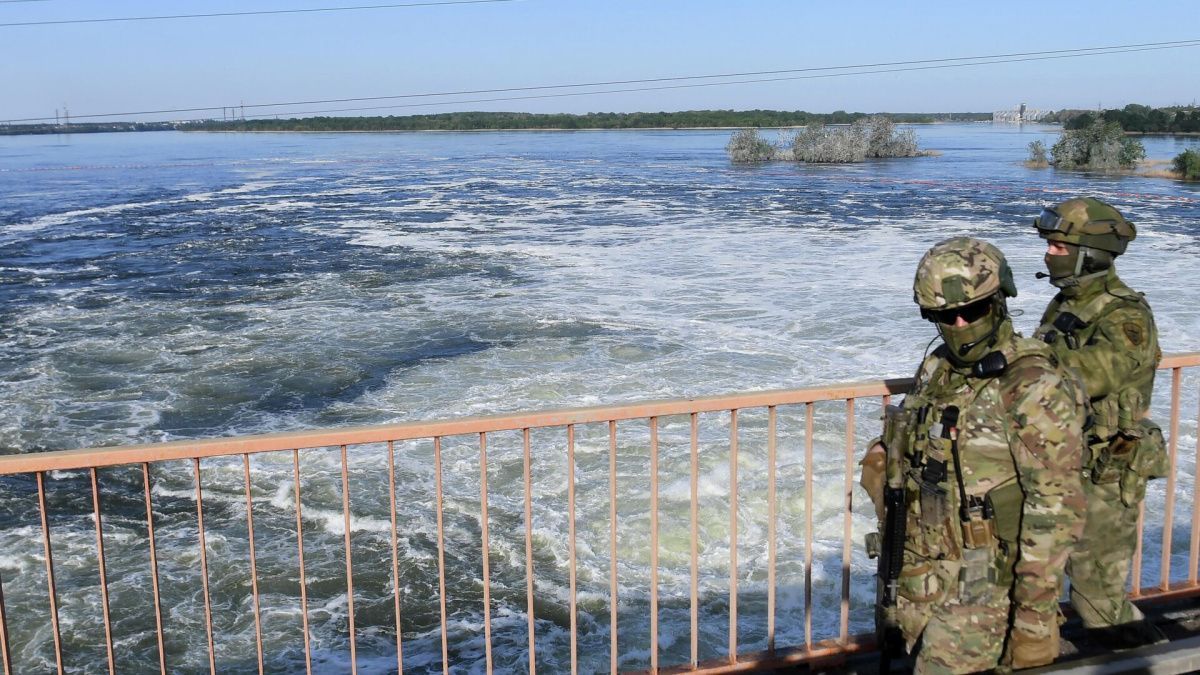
[
  {"x": 712, "y": 84},
  {"x": 253, "y": 13},
  {"x": 912, "y": 65}
]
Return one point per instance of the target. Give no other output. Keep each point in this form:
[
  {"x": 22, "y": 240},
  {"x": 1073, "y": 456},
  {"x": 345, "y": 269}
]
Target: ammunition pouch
[
  {"x": 1149, "y": 460},
  {"x": 1007, "y": 502}
]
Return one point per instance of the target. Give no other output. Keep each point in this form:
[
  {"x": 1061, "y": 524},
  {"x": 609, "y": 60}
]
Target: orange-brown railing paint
[
  {"x": 487, "y": 566},
  {"x": 108, "y": 639},
  {"x": 53, "y": 594},
  {"x": 771, "y": 423},
  {"x": 612, "y": 560},
  {"x": 391, "y": 450},
  {"x": 300, "y": 553},
  {"x": 158, "y": 624},
  {"x": 258, "y": 641},
  {"x": 208, "y": 623},
  {"x": 437, "y": 469},
  {"x": 808, "y": 523},
  {"x": 5, "y": 659},
  {"x": 1164, "y": 579},
  {"x": 733, "y": 533},
  {"x": 529, "y": 551}
]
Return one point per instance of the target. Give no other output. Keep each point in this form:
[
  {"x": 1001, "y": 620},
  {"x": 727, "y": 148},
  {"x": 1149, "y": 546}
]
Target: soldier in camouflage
[
  {"x": 1105, "y": 331},
  {"x": 986, "y": 449}
]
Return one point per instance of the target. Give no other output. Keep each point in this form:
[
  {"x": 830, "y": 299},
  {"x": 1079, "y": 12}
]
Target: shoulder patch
[{"x": 1133, "y": 332}]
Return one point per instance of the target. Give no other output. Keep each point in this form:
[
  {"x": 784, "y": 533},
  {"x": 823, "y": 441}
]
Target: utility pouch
[
  {"x": 934, "y": 506},
  {"x": 1148, "y": 460},
  {"x": 978, "y": 533},
  {"x": 976, "y": 577},
  {"x": 1105, "y": 420},
  {"x": 1006, "y": 502},
  {"x": 1114, "y": 458}
]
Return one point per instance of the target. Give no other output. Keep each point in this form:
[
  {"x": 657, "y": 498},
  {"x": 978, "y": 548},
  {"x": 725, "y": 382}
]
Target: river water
[{"x": 164, "y": 286}]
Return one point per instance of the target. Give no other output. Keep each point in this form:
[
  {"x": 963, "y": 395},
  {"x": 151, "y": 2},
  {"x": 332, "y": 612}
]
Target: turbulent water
[{"x": 165, "y": 286}]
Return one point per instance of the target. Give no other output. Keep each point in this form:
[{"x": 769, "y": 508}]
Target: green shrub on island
[
  {"x": 746, "y": 147},
  {"x": 1037, "y": 155},
  {"x": 1102, "y": 146},
  {"x": 1187, "y": 164},
  {"x": 865, "y": 138}
]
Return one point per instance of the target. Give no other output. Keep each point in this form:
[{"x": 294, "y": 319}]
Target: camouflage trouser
[
  {"x": 956, "y": 637},
  {"x": 1099, "y": 565}
]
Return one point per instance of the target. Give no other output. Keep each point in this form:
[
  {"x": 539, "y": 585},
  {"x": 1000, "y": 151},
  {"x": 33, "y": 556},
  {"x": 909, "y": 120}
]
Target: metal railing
[{"x": 614, "y": 418}]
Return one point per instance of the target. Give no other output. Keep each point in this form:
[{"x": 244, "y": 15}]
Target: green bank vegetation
[
  {"x": 869, "y": 137},
  {"x": 1103, "y": 145},
  {"x": 1134, "y": 118},
  {"x": 1187, "y": 164}
]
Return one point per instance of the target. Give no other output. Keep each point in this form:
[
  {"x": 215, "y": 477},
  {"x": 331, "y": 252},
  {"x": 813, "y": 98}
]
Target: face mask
[
  {"x": 1063, "y": 267},
  {"x": 975, "y": 334}
]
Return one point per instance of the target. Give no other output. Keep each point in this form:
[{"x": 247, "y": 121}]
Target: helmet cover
[
  {"x": 960, "y": 271},
  {"x": 1086, "y": 221}
]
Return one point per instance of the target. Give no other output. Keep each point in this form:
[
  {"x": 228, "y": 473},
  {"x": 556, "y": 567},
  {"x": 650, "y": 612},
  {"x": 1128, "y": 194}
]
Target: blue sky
[{"x": 108, "y": 67}]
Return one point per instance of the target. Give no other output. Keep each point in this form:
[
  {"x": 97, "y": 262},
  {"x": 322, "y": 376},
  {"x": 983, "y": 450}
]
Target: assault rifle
[{"x": 891, "y": 559}]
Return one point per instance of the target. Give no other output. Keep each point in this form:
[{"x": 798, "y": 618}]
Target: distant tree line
[
  {"x": 470, "y": 121},
  {"x": 473, "y": 121},
  {"x": 83, "y": 128},
  {"x": 1134, "y": 118}
]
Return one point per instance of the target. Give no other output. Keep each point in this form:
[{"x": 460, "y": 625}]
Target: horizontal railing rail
[{"x": 739, "y": 412}]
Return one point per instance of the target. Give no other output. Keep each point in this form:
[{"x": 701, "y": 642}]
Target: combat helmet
[
  {"x": 969, "y": 279},
  {"x": 1094, "y": 232}
]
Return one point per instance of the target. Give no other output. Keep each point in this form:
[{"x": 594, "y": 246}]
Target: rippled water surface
[{"x": 167, "y": 286}]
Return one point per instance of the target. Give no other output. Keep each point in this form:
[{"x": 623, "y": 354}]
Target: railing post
[
  {"x": 212, "y": 654},
  {"x": 571, "y": 546},
  {"x": 5, "y": 658},
  {"x": 612, "y": 534},
  {"x": 1164, "y": 578},
  {"x": 253, "y": 564},
  {"x": 808, "y": 523},
  {"x": 158, "y": 626},
  {"x": 654, "y": 544},
  {"x": 391, "y": 450},
  {"x": 50, "y": 586},
  {"x": 529, "y": 552},
  {"x": 733, "y": 535},
  {"x": 771, "y": 421},
  {"x": 437, "y": 470},
  {"x": 1194, "y": 559},
  {"x": 848, "y": 505},
  {"x": 300, "y": 553},
  {"x": 349, "y": 563},
  {"x": 108, "y": 641},
  {"x": 695, "y": 538},
  {"x": 486, "y": 551}
]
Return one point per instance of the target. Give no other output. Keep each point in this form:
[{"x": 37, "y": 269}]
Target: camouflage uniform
[
  {"x": 975, "y": 574},
  {"x": 1105, "y": 331}
]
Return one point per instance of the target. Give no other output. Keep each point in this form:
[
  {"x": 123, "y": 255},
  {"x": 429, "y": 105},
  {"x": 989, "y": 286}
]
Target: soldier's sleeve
[
  {"x": 1045, "y": 432},
  {"x": 1123, "y": 344}
]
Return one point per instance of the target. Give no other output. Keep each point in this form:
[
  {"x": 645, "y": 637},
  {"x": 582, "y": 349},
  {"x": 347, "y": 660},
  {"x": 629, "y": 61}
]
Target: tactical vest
[
  {"x": 1077, "y": 328},
  {"x": 1108, "y": 458},
  {"x": 965, "y": 508}
]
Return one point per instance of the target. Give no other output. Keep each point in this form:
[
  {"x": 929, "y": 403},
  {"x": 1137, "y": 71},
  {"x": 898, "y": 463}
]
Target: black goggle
[
  {"x": 1050, "y": 221},
  {"x": 969, "y": 313}
]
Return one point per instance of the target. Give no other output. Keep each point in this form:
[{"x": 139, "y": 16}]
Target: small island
[{"x": 868, "y": 137}]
